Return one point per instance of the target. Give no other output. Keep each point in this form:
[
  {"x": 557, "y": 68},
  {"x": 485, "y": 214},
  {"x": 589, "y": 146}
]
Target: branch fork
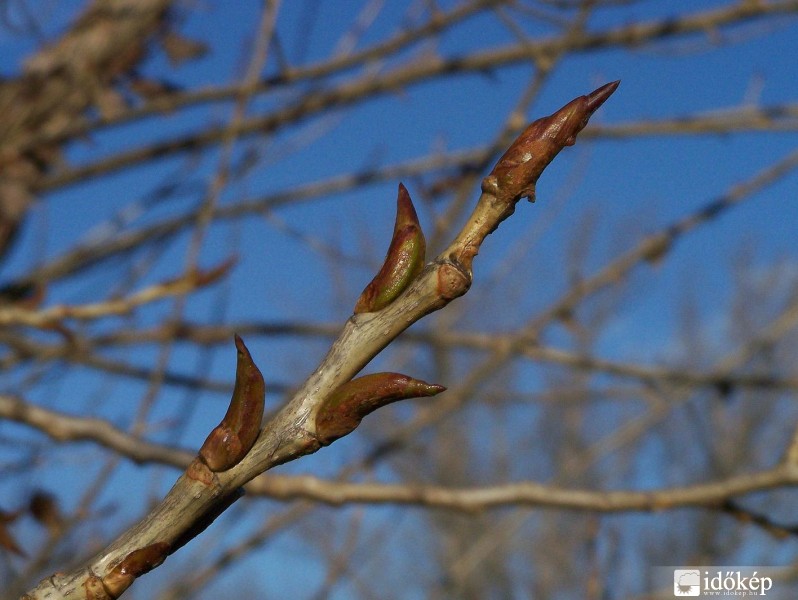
[{"x": 331, "y": 402}]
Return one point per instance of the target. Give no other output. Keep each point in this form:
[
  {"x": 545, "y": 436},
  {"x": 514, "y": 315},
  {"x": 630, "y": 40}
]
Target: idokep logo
[
  {"x": 720, "y": 583},
  {"x": 686, "y": 582}
]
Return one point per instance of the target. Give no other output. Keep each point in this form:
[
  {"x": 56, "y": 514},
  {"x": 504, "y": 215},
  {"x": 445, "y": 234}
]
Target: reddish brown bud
[
  {"x": 230, "y": 441},
  {"x": 134, "y": 565},
  {"x": 517, "y": 171},
  {"x": 44, "y": 508},
  {"x": 342, "y": 412},
  {"x": 7, "y": 541},
  {"x": 405, "y": 259}
]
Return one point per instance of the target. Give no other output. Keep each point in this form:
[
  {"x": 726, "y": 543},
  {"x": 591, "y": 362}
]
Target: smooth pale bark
[{"x": 201, "y": 494}]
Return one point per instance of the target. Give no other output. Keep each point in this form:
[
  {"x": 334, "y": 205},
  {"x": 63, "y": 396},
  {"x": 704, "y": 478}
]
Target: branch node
[{"x": 453, "y": 281}]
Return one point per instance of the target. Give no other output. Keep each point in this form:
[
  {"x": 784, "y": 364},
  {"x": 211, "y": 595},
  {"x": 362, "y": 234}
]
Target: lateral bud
[
  {"x": 134, "y": 565},
  {"x": 405, "y": 258},
  {"x": 343, "y": 410},
  {"x": 7, "y": 541},
  {"x": 230, "y": 441}
]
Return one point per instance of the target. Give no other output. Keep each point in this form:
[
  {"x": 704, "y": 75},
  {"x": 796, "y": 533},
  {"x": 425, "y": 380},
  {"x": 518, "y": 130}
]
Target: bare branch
[
  {"x": 53, "y": 315},
  {"x": 528, "y": 494},
  {"x": 201, "y": 493}
]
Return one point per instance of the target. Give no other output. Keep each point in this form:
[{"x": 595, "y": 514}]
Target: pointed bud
[
  {"x": 517, "y": 171},
  {"x": 342, "y": 412},
  {"x": 134, "y": 565},
  {"x": 404, "y": 260},
  {"x": 230, "y": 441}
]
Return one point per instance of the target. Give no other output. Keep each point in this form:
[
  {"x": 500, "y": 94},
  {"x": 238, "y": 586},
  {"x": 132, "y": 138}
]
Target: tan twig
[
  {"x": 528, "y": 494},
  {"x": 63, "y": 427},
  {"x": 281, "y": 487},
  {"x": 357, "y": 89},
  {"x": 47, "y": 317}
]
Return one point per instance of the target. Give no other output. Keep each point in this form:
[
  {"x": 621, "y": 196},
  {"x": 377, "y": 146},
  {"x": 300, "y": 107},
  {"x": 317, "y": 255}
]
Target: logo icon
[{"x": 686, "y": 582}]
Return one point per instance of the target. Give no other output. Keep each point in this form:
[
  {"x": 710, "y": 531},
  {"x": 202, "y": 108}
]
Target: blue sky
[{"x": 627, "y": 187}]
